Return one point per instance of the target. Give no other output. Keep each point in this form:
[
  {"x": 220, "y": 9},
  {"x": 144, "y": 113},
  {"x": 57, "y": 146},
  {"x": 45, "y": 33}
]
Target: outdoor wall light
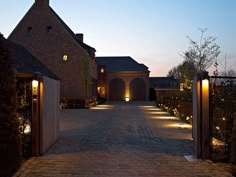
[
  {"x": 35, "y": 85},
  {"x": 65, "y": 58}
]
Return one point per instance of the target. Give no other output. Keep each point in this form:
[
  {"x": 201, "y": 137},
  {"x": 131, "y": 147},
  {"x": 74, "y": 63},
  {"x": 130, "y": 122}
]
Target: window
[
  {"x": 49, "y": 28},
  {"x": 29, "y": 29}
]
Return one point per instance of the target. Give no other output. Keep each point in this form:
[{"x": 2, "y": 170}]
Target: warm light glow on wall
[
  {"x": 102, "y": 70},
  {"x": 103, "y": 91}
]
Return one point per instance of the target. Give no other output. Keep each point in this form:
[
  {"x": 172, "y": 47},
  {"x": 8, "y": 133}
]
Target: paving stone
[{"x": 123, "y": 141}]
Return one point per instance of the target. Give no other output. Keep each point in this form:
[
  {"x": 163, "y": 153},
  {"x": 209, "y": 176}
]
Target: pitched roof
[
  {"x": 164, "y": 82},
  {"x": 24, "y": 61},
  {"x": 123, "y": 63},
  {"x": 67, "y": 28}
]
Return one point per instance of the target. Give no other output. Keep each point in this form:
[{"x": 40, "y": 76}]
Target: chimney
[
  {"x": 80, "y": 37},
  {"x": 42, "y": 2}
]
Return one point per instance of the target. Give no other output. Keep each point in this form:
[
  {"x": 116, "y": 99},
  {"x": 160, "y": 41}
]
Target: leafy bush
[{"x": 10, "y": 138}]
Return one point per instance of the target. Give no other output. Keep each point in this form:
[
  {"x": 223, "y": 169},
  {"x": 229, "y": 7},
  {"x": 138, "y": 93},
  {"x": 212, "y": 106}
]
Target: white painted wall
[{"x": 49, "y": 103}]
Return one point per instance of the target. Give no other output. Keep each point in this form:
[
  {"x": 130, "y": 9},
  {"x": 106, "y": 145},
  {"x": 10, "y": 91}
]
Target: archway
[
  {"x": 137, "y": 90},
  {"x": 116, "y": 90}
]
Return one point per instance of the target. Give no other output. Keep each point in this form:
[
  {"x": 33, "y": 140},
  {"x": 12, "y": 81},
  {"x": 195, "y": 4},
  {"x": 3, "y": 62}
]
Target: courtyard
[{"x": 120, "y": 139}]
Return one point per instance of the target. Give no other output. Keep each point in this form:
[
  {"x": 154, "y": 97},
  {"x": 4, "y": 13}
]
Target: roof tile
[{"x": 122, "y": 63}]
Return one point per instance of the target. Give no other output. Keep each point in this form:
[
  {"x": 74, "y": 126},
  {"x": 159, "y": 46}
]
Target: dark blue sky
[{"x": 151, "y": 31}]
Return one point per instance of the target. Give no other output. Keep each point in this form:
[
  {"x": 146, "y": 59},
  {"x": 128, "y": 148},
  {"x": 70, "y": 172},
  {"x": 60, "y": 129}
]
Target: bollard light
[
  {"x": 127, "y": 99},
  {"x": 205, "y": 84}
]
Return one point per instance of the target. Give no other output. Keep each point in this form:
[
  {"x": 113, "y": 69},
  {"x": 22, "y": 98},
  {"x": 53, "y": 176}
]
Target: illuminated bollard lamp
[
  {"x": 201, "y": 121},
  {"x": 127, "y": 99}
]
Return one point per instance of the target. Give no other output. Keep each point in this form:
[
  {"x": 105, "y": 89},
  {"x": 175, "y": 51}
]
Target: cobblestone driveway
[{"x": 121, "y": 140}]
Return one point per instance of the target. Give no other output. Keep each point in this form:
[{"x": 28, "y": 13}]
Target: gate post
[
  {"x": 35, "y": 115},
  {"x": 201, "y": 120}
]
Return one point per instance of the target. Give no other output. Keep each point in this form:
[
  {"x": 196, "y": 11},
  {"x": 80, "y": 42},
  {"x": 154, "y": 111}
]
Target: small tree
[
  {"x": 10, "y": 139},
  {"x": 185, "y": 73},
  {"x": 203, "y": 53}
]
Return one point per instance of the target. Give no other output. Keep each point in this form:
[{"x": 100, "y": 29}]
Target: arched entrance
[
  {"x": 137, "y": 90},
  {"x": 116, "y": 90}
]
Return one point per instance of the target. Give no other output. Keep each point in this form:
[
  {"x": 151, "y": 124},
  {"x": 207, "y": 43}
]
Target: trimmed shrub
[{"x": 10, "y": 138}]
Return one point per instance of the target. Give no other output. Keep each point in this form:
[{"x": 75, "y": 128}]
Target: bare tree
[
  {"x": 204, "y": 53},
  {"x": 175, "y": 72},
  {"x": 229, "y": 73}
]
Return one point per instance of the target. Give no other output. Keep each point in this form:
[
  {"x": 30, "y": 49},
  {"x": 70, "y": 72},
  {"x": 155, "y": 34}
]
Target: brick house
[
  {"x": 122, "y": 78},
  {"x": 49, "y": 39}
]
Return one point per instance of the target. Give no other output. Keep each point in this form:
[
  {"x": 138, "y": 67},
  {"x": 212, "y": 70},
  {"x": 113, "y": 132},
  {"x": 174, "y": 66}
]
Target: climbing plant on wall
[{"x": 85, "y": 71}]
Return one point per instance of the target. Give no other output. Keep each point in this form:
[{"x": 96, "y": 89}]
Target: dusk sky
[{"x": 152, "y": 32}]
